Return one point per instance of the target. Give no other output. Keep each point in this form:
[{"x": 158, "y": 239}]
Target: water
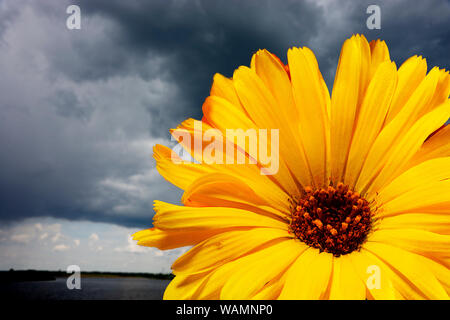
[{"x": 91, "y": 289}]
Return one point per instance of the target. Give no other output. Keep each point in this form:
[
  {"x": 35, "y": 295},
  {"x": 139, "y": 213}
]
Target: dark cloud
[
  {"x": 67, "y": 104},
  {"x": 81, "y": 109},
  {"x": 197, "y": 38}
]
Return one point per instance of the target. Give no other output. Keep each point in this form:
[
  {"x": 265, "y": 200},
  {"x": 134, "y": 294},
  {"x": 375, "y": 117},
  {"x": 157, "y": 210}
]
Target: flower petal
[
  {"x": 183, "y": 287},
  {"x": 422, "y": 242},
  {"x": 410, "y": 75},
  {"x": 223, "y": 115},
  {"x": 362, "y": 261},
  {"x": 172, "y": 217},
  {"x": 371, "y": 118},
  {"x": 174, "y": 170},
  {"x": 164, "y": 240},
  {"x": 417, "y": 177},
  {"x": 392, "y": 134},
  {"x": 411, "y": 267},
  {"x": 346, "y": 285},
  {"x": 224, "y": 247},
  {"x": 379, "y": 53},
  {"x": 218, "y": 278},
  {"x": 256, "y": 270},
  {"x": 312, "y": 105},
  {"x": 308, "y": 277},
  {"x": 223, "y": 88},
  {"x": 273, "y": 73},
  {"x": 350, "y": 83},
  {"x": 390, "y": 164},
  {"x": 228, "y": 118},
  {"x": 432, "y": 198},
  {"x": 250, "y": 174},
  {"x": 441, "y": 272},
  {"x": 442, "y": 90},
  {"x": 435, "y": 146},
  {"x": 272, "y": 289},
  {"x": 437, "y": 223},
  {"x": 223, "y": 190},
  {"x": 261, "y": 107}
]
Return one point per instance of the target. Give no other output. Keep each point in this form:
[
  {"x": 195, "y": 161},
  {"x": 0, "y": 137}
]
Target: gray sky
[{"x": 81, "y": 109}]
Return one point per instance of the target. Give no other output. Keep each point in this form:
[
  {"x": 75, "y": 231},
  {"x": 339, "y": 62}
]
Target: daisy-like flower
[{"x": 359, "y": 207}]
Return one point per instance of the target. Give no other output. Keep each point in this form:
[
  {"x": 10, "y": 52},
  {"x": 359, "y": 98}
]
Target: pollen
[{"x": 333, "y": 219}]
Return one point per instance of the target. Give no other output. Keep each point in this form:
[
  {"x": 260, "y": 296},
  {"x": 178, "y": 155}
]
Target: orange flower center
[{"x": 335, "y": 220}]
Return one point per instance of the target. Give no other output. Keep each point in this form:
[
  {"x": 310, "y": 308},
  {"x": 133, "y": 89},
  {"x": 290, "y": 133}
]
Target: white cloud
[
  {"x": 28, "y": 232},
  {"x": 132, "y": 247},
  {"x": 61, "y": 247},
  {"x": 21, "y": 238},
  {"x": 92, "y": 246},
  {"x": 94, "y": 237},
  {"x": 159, "y": 253},
  {"x": 56, "y": 237}
]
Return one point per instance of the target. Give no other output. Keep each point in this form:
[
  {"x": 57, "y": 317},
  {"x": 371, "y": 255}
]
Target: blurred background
[{"x": 80, "y": 109}]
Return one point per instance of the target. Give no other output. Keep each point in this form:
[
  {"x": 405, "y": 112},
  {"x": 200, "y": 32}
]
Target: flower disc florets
[{"x": 335, "y": 220}]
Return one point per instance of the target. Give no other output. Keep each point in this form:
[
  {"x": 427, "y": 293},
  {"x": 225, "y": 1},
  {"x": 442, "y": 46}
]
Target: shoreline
[{"x": 47, "y": 275}]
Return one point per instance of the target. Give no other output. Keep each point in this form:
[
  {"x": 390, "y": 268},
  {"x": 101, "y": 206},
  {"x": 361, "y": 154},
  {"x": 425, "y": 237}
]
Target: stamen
[{"x": 335, "y": 220}]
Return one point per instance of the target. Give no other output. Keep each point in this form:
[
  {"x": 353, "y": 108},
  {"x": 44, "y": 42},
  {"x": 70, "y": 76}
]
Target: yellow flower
[{"x": 359, "y": 207}]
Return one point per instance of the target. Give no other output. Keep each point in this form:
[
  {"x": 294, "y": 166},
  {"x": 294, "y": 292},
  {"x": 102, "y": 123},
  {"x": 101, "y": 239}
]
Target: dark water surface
[{"x": 91, "y": 289}]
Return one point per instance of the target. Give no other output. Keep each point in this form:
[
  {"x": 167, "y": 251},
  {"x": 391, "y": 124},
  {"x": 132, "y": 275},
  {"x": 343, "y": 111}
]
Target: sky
[{"x": 81, "y": 109}]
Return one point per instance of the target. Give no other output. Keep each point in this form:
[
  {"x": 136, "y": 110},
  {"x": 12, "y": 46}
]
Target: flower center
[{"x": 335, "y": 220}]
